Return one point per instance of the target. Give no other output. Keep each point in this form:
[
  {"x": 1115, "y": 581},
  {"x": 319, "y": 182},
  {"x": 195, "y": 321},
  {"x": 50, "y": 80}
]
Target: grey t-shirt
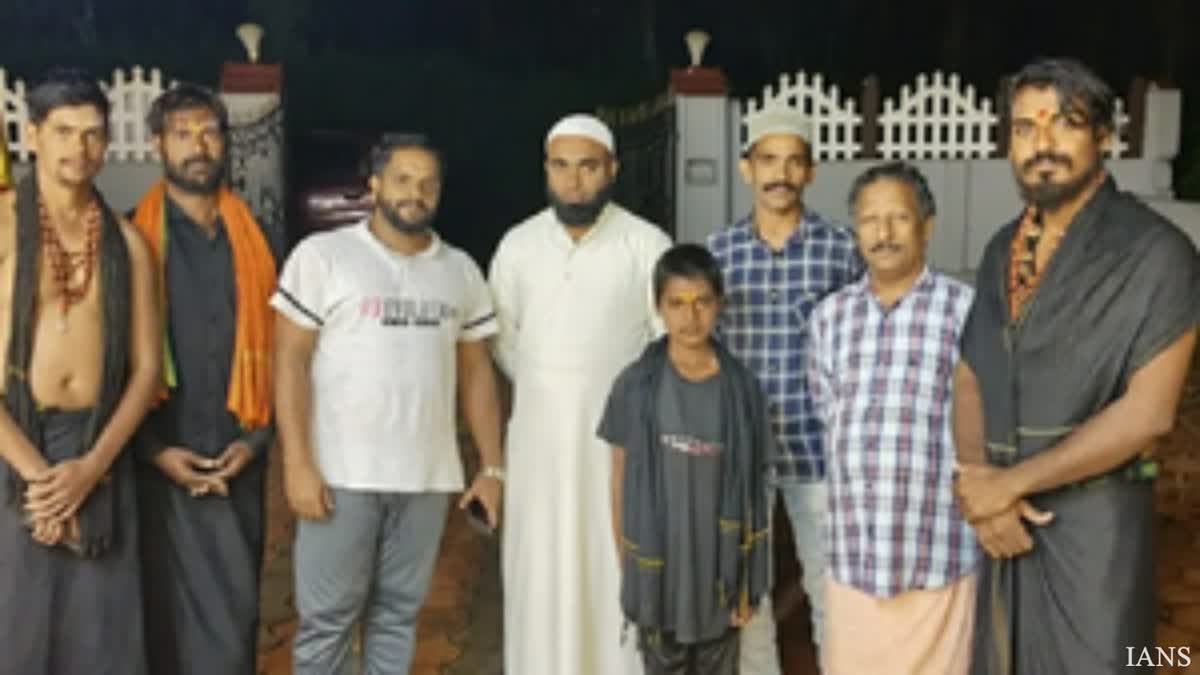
[{"x": 689, "y": 426}]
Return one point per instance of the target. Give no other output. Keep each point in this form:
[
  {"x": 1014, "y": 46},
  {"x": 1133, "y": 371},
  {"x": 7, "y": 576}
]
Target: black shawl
[
  {"x": 743, "y": 548},
  {"x": 1123, "y": 285},
  {"x": 97, "y": 517}
]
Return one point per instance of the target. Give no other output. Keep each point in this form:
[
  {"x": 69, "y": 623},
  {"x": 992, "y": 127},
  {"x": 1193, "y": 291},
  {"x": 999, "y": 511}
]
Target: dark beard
[
  {"x": 1048, "y": 196},
  {"x": 391, "y": 215},
  {"x": 176, "y": 176},
  {"x": 582, "y": 214}
]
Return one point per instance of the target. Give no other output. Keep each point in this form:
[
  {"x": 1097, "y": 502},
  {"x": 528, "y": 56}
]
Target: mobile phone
[{"x": 477, "y": 517}]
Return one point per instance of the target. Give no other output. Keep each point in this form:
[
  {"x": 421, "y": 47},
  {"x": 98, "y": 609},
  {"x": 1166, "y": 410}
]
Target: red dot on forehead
[{"x": 1043, "y": 113}]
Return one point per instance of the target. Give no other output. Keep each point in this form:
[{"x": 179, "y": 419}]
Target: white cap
[
  {"x": 585, "y": 126},
  {"x": 777, "y": 119}
]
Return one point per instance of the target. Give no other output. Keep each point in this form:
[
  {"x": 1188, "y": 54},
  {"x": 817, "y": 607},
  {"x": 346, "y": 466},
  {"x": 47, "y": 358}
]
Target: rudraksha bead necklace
[{"x": 65, "y": 265}]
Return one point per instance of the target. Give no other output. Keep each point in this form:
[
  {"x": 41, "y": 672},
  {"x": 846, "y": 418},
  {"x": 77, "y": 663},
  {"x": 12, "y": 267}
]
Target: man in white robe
[{"x": 572, "y": 292}]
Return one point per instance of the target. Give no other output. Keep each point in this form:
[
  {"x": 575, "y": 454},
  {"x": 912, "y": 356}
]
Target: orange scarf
[{"x": 249, "y": 397}]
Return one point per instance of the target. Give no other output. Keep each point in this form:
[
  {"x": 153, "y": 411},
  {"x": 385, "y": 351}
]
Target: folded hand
[
  {"x": 58, "y": 492},
  {"x": 1004, "y": 535}
]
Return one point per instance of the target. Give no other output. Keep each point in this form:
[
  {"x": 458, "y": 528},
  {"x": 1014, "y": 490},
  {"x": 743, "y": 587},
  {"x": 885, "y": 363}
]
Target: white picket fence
[
  {"x": 938, "y": 118},
  {"x": 130, "y": 95}
]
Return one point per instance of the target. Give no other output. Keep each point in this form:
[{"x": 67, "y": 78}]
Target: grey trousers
[{"x": 372, "y": 559}]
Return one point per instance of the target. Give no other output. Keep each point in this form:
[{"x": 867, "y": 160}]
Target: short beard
[
  {"x": 398, "y": 223},
  {"x": 1047, "y": 196},
  {"x": 176, "y": 176},
  {"x": 582, "y": 214}
]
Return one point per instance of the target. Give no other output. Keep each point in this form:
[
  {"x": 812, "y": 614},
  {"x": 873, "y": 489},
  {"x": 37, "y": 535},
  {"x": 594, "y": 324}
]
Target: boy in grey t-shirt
[{"x": 690, "y": 440}]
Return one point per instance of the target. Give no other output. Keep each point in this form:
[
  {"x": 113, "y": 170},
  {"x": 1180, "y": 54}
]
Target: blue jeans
[
  {"x": 373, "y": 558},
  {"x": 805, "y": 503}
]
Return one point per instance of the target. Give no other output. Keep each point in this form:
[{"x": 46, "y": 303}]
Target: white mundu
[{"x": 572, "y": 315}]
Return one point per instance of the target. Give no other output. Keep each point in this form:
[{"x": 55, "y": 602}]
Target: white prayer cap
[
  {"x": 777, "y": 119},
  {"x": 585, "y": 126}
]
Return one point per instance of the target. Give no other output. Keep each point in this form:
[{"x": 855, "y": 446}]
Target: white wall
[
  {"x": 1184, "y": 214},
  {"x": 121, "y": 183}
]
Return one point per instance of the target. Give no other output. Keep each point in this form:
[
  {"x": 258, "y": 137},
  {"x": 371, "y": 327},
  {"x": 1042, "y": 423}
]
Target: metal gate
[{"x": 646, "y": 142}]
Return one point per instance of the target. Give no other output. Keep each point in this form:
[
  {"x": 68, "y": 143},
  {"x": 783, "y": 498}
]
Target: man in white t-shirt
[{"x": 378, "y": 325}]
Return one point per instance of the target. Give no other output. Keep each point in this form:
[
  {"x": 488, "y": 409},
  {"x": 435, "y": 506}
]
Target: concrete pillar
[
  {"x": 704, "y": 153},
  {"x": 253, "y": 92},
  {"x": 1161, "y": 133}
]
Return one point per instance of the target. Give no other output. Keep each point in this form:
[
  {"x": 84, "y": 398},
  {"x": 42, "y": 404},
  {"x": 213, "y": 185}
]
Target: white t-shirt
[{"x": 384, "y": 367}]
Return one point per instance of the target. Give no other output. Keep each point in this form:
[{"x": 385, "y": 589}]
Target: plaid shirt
[
  {"x": 881, "y": 381},
  {"x": 768, "y": 297}
]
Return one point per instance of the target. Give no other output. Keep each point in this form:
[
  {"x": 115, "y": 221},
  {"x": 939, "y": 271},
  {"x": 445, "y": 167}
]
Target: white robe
[{"x": 572, "y": 316}]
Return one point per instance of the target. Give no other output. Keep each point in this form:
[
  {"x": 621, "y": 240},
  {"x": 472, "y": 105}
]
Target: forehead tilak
[{"x": 689, "y": 296}]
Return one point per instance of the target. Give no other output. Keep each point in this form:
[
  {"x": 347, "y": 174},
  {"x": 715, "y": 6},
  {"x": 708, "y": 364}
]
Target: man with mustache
[
  {"x": 83, "y": 346},
  {"x": 1074, "y": 356},
  {"x": 572, "y": 286},
  {"x": 778, "y": 263},
  {"x": 900, "y": 593},
  {"x": 204, "y": 447},
  {"x": 378, "y": 325}
]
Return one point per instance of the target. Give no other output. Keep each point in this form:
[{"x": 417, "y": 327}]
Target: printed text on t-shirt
[
  {"x": 399, "y": 311},
  {"x": 690, "y": 445}
]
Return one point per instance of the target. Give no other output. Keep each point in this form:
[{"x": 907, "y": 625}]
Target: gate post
[
  {"x": 253, "y": 93},
  {"x": 705, "y": 150}
]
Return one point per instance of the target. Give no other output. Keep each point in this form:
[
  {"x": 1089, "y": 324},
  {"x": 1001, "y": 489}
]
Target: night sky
[{"x": 486, "y": 77}]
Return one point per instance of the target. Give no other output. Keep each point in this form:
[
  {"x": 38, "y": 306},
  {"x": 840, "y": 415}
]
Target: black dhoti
[{"x": 63, "y": 614}]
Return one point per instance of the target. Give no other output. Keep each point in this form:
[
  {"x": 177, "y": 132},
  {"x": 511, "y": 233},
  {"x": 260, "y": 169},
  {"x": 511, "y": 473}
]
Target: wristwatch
[{"x": 496, "y": 472}]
